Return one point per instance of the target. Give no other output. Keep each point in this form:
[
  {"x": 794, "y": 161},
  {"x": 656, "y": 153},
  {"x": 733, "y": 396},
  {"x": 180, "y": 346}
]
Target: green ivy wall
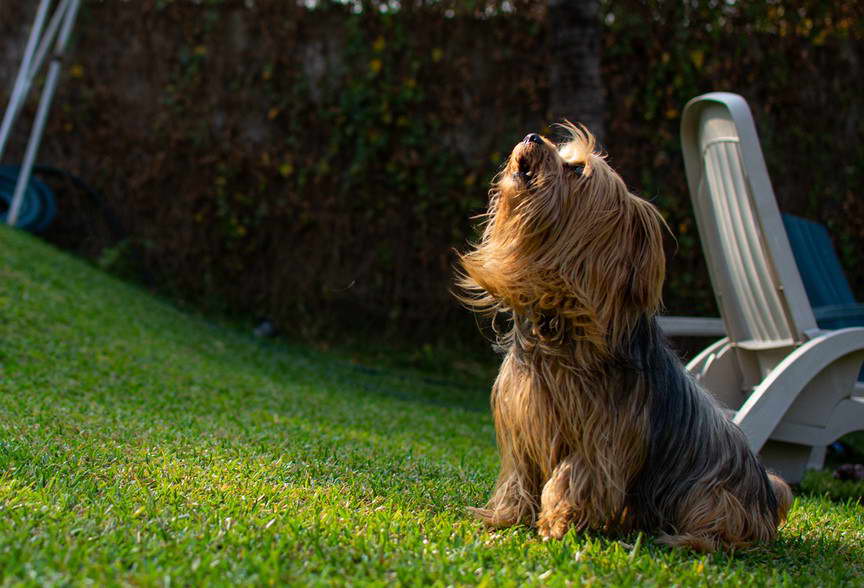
[{"x": 320, "y": 166}]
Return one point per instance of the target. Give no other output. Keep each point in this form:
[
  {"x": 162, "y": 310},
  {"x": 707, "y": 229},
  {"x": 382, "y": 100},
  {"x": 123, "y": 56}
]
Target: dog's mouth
[
  {"x": 523, "y": 169},
  {"x": 525, "y": 163}
]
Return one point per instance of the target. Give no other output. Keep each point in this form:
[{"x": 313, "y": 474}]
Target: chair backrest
[
  {"x": 821, "y": 272},
  {"x": 755, "y": 279}
]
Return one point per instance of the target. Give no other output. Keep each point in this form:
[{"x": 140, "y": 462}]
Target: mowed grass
[{"x": 141, "y": 445}]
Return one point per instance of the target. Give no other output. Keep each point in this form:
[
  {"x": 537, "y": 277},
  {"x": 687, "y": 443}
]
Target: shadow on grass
[
  {"x": 822, "y": 483},
  {"x": 349, "y": 373}
]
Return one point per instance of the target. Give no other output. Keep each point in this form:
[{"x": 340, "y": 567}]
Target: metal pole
[
  {"x": 42, "y": 112},
  {"x": 33, "y": 63},
  {"x": 19, "y": 92},
  {"x": 47, "y": 40}
]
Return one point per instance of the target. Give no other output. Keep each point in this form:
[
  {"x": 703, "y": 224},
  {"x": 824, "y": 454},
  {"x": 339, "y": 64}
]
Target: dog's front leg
[
  {"x": 572, "y": 497},
  {"x": 557, "y": 506},
  {"x": 514, "y": 500},
  {"x": 516, "y": 497}
]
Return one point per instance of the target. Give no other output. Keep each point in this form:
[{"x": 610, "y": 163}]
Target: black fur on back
[{"x": 691, "y": 443}]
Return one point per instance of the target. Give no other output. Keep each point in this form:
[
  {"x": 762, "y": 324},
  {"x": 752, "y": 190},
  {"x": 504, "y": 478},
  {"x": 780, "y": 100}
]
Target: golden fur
[{"x": 575, "y": 262}]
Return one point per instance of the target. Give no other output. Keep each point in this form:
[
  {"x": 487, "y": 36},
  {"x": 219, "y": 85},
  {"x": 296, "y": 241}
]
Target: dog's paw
[
  {"x": 491, "y": 518},
  {"x": 484, "y": 514},
  {"x": 553, "y": 527},
  {"x": 697, "y": 543}
]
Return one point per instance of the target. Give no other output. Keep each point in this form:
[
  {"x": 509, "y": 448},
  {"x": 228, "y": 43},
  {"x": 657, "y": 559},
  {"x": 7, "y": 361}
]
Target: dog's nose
[{"x": 532, "y": 138}]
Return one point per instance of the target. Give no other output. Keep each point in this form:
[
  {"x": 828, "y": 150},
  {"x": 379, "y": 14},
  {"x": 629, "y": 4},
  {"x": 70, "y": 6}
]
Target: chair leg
[
  {"x": 817, "y": 457},
  {"x": 789, "y": 460}
]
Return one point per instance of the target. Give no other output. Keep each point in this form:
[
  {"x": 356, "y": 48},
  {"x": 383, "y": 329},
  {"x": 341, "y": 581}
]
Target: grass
[{"x": 142, "y": 445}]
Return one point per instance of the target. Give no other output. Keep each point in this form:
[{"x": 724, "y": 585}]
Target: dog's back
[{"x": 700, "y": 483}]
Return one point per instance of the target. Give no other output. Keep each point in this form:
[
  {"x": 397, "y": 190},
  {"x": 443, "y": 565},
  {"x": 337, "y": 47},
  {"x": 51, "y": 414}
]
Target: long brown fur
[{"x": 575, "y": 262}]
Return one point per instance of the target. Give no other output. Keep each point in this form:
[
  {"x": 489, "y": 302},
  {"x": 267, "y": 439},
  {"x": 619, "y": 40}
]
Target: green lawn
[{"x": 142, "y": 445}]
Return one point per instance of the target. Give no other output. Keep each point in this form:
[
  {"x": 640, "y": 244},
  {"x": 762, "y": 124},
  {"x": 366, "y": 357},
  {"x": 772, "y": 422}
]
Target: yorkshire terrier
[{"x": 599, "y": 426}]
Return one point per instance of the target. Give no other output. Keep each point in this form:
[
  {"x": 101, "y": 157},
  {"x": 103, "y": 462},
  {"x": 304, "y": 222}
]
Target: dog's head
[{"x": 565, "y": 239}]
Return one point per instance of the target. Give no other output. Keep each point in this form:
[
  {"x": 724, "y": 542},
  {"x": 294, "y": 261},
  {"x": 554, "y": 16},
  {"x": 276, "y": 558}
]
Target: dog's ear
[{"x": 648, "y": 258}]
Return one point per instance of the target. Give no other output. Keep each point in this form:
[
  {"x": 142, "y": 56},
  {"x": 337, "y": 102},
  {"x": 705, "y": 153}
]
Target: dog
[{"x": 599, "y": 427}]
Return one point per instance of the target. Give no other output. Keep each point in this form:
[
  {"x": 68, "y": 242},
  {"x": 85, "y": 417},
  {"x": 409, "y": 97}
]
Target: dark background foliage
[{"x": 319, "y": 166}]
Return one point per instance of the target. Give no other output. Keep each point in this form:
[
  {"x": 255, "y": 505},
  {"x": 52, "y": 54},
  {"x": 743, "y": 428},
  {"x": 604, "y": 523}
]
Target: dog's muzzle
[{"x": 528, "y": 157}]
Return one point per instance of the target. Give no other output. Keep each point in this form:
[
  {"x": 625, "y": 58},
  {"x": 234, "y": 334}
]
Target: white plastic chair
[{"x": 791, "y": 387}]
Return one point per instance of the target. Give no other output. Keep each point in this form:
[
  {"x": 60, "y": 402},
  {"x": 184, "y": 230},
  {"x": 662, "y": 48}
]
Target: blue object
[
  {"x": 38, "y": 207},
  {"x": 833, "y": 303},
  {"x": 827, "y": 288}
]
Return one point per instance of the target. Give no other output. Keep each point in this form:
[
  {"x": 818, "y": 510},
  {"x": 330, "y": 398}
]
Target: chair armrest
[
  {"x": 839, "y": 316},
  {"x": 691, "y": 326},
  {"x": 766, "y": 406}
]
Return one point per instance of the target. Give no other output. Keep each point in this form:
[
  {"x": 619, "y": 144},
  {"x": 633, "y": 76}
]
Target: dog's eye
[{"x": 576, "y": 168}]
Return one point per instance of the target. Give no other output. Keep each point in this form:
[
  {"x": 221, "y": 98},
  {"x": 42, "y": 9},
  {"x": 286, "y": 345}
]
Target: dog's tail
[{"x": 784, "y": 497}]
